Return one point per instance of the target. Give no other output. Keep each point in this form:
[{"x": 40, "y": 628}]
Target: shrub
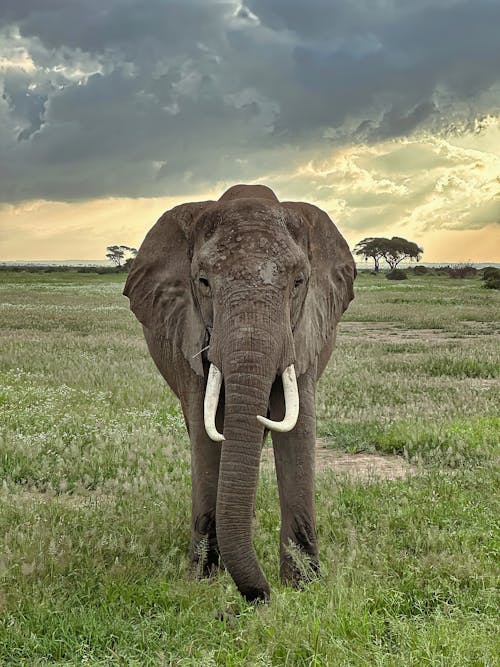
[
  {"x": 493, "y": 282},
  {"x": 442, "y": 270},
  {"x": 464, "y": 271},
  {"x": 53, "y": 269},
  {"x": 420, "y": 270},
  {"x": 106, "y": 269},
  {"x": 396, "y": 274},
  {"x": 490, "y": 272}
]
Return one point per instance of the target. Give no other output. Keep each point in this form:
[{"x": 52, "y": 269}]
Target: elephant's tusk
[
  {"x": 291, "y": 393},
  {"x": 211, "y": 402}
]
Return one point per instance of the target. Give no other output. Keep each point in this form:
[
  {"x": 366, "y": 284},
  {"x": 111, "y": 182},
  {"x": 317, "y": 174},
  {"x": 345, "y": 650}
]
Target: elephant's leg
[
  {"x": 294, "y": 455},
  {"x": 205, "y": 461},
  {"x": 205, "y": 454}
]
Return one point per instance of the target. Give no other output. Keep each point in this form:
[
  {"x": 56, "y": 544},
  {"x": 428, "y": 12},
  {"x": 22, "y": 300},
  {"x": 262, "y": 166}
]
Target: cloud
[
  {"x": 126, "y": 98},
  {"x": 422, "y": 183}
]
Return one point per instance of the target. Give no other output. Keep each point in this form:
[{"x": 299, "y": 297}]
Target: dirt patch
[
  {"x": 386, "y": 332},
  {"x": 362, "y": 467}
]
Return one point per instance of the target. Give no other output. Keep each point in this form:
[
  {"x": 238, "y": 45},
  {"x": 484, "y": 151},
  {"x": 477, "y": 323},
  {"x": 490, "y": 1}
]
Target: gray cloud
[{"x": 126, "y": 98}]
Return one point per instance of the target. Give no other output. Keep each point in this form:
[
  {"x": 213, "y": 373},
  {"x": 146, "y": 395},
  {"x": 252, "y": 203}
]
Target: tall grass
[{"x": 95, "y": 491}]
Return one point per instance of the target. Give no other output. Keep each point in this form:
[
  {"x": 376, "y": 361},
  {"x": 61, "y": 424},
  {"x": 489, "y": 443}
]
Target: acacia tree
[
  {"x": 371, "y": 248},
  {"x": 398, "y": 249},
  {"x": 392, "y": 250},
  {"x": 116, "y": 254}
]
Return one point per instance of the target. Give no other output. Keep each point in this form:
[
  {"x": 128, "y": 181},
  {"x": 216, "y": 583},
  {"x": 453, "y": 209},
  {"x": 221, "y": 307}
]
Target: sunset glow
[{"x": 369, "y": 112}]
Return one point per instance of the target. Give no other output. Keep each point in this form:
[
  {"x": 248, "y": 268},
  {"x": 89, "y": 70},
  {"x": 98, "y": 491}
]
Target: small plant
[{"x": 396, "y": 274}]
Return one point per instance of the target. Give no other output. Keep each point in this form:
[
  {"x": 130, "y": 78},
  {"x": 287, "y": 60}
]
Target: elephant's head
[{"x": 263, "y": 284}]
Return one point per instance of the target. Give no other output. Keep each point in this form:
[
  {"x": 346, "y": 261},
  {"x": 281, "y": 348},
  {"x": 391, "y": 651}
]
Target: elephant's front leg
[
  {"x": 205, "y": 461},
  {"x": 294, "y": 455}
]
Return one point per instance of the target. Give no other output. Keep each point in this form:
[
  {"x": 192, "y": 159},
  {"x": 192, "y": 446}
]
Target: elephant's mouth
[{"x": 290, "y": 391}]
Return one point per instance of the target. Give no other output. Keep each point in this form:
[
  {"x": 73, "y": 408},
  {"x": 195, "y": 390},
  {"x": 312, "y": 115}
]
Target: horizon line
[{"x": 82, "y": 261}]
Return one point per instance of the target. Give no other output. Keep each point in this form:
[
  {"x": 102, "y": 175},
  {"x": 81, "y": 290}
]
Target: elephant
[{"x": 239, "y": 300}]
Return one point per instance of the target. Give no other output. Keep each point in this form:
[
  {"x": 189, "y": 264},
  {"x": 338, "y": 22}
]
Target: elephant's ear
[
  {"x": 330, "y": 287},
  {"x": 159, "y": 283}
]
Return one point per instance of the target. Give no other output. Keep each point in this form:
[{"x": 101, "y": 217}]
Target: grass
[{"x": 94, "y": 491}]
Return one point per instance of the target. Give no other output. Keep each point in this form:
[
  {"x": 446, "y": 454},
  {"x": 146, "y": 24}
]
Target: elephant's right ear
[
  {"x": 330, "y": 284},
  {"x": 159, "y": 283}
]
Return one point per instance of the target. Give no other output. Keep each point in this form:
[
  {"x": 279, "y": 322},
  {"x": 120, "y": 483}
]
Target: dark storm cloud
[{"x": 122, "y": 97}]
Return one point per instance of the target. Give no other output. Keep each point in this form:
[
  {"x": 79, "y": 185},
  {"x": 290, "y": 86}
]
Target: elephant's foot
[
  {"x": 256, "y": 593},
  {"x": 205, "y": 562},
  {"x": 204, "y": 553},
  {"x": 299, "y": 561},
  {"x": 297, "y": 566}
]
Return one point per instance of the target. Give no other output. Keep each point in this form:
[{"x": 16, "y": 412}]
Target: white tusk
[
  {"x": 211, "y": 402},
  {"x": 291, "y": 404}
]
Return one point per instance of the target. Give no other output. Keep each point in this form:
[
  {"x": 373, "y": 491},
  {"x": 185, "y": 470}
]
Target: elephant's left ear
[
  {"x": 330, "y": 284},
  {"x": 159, "y": 283}
]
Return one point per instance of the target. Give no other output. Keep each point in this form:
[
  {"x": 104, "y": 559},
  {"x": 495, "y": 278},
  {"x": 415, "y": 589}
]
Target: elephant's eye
[
  {"x": 204, "y": 285},
  {"x": 299, "y": 280}
]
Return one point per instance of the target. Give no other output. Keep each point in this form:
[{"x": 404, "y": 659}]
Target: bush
[
  {"x": 43, "y": 268},
  {"x": 493, "y": 282},
  {"x": 53, "y": 269},
  {"x": 396, "y": 274},
  {"x": 490, "y": 272},
  {"x": 420, "y": 270},
  {"x": 106, "y": 269},
  {"x": 464, "y": 271},
  {"x": 442, "y": 270}
]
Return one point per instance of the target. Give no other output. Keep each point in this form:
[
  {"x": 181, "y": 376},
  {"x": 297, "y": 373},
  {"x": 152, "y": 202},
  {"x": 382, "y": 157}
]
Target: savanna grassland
[{"x": 95, "y": 490}]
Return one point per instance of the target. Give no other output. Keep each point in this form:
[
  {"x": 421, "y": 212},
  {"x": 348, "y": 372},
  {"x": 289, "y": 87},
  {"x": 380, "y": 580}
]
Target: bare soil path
[
  {"x": 362, "y": 467},
  {"x": 388, "y": 332}
]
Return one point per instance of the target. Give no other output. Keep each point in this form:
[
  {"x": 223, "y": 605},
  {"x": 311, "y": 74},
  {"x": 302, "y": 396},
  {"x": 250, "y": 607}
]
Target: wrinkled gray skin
[{"x": 264, "y": 284}]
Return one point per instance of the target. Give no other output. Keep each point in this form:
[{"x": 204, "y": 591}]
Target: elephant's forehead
[
  {"x": 252, "y": 246},
  {"x": 252, "y": 257},
  {"x": 253, "y": 240},
  {"x": 261, "y": 271}
]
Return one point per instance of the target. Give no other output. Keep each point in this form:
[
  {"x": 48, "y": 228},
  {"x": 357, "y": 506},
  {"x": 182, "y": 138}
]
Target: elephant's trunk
[
  {"x": 249, "y": 367},
  {"x": 238, "y": 477}
]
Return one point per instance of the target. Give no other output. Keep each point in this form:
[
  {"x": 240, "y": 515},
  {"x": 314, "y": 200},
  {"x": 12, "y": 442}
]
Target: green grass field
[{"x": 95, "y": 499}]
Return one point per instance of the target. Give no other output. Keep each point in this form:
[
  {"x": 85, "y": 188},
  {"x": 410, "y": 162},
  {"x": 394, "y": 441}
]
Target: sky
[{"x": 384, "y": 113}]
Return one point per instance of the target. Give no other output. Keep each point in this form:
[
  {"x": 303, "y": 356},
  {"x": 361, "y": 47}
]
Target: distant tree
[
  {"x": 371, "y": 248},
  {"x": 116, "y": 253},
  {"x": 397, "y": 249},
  {"x": 392, "y": 250}
]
